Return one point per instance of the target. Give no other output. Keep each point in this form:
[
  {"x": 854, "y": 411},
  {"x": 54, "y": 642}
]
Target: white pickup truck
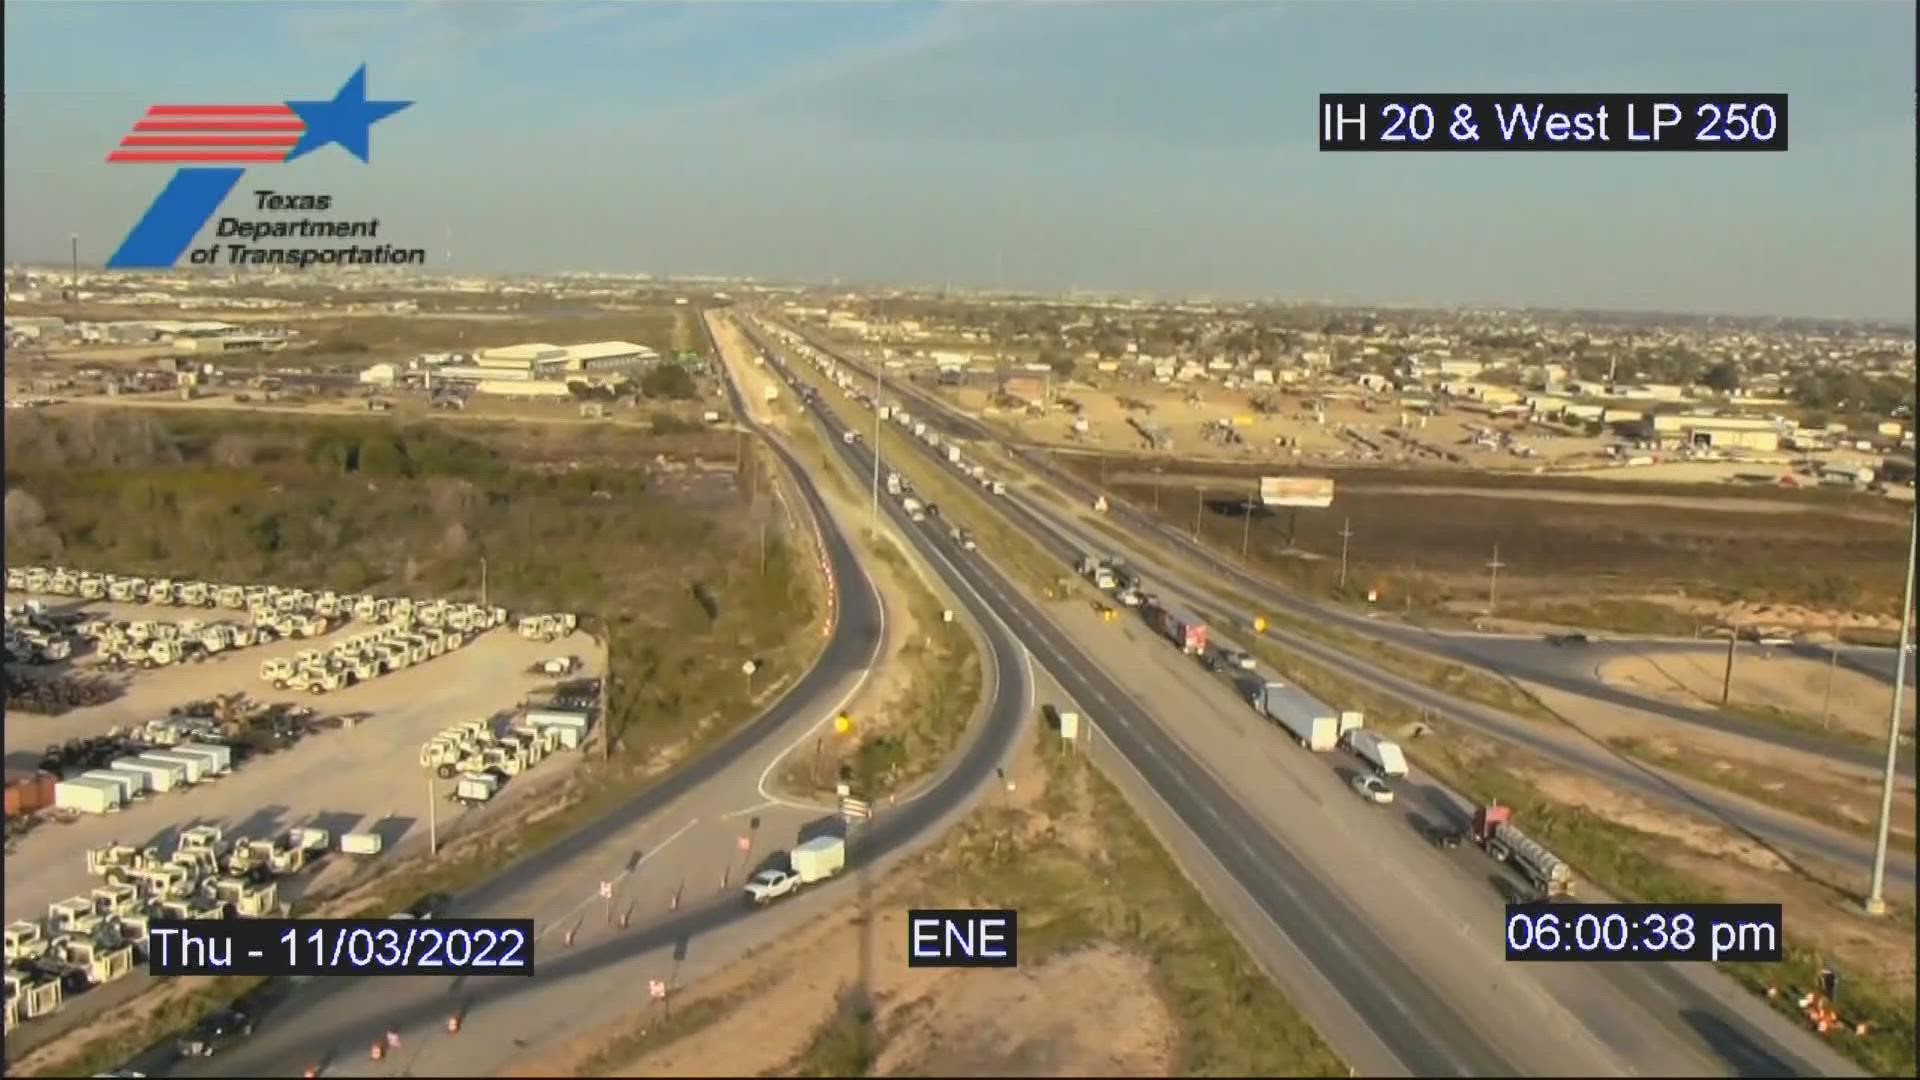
[{"x": 814, "y": 861}]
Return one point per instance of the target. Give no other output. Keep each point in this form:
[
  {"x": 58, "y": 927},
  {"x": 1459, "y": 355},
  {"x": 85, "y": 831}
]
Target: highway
[
  {"x": 670, "y": 855},
  {"x": 1065, "y": 538},
  {"x": 1390, "y": 1007},
  {"x": 1508, "y": 656}
]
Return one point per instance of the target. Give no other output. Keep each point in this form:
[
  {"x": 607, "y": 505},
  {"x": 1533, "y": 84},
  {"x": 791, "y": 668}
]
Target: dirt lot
[
  {"x": 363, "y": 777},
  {"x": 1842, "y": 797},
  {"x": 1859, "y": 703}
]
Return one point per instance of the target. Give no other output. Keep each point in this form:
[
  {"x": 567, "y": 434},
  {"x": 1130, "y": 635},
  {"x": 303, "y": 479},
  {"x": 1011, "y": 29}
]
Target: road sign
[
  {"x": 657, "y": 988},
  {"x": 1260, "y": 625},
  {"x": 745, "y": 843},
  {"x": 606, "y": 890},
  {"x": 842, "y": 724},
  {"x": 855, "y": 809},
  {"x": 749, "y": 667}
]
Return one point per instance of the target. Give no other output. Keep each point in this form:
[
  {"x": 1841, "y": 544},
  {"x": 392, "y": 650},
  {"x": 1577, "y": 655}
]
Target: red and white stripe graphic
[{"x": 211, "y": 135}]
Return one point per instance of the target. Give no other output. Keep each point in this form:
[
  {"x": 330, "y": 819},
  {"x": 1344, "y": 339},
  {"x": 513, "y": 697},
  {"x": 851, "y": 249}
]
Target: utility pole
[
  {"x": 606, "y": 702},
  {"x": 1833, "y": 661},
  {"x": 879, "y": 384},
  {"x": 1246, "y": 526},
  {"x": 73, "y": 282},
  {"x": 1726, "y": 681},
  {"x": 1346, "y": 534},
  {"x": 433, "y": 821},
  {"x": 1876, "y": 901},
  {"x": 1199, "y": 503},
  {"x": 1493, "y": 577},
  {"x": 763, "y": 549},
  {"x": 483, "y": 581}
]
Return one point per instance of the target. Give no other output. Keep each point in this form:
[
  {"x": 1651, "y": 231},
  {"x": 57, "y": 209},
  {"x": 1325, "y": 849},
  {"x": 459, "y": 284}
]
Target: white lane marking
[
  {"x": 594, "y": 897},
  {"x": 745, "y": 810},
  {"x": 866, "y": 672}
]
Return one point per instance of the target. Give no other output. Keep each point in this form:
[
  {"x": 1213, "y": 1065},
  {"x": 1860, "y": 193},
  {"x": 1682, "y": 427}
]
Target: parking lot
[{"x": 363, "y": 776}]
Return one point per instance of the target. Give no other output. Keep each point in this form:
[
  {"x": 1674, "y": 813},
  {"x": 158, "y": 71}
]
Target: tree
[
  {"x": 1723, "y": 377},
  {"x": 668, "y": 381}
]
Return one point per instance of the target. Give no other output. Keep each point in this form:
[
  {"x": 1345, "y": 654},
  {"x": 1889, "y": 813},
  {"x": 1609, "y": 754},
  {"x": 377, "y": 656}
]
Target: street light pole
[
  {"x": 1833, "y": 661},
  {"x": 1876, "y": 901},
  {"x": 1246, "y": 526},
  {"x": 1199, "y": 503},
  {"x": 879, "y": 386},
  {"x": 1493, "y": 577},
  {"x": 1346, "y": 534}
]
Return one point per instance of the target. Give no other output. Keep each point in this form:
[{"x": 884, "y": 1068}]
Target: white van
[{"x": 1378, "y": 751}]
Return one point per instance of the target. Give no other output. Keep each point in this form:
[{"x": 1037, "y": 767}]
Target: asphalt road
[
  {"x": 604, "y": 972},
  {"x": 1409, "y": 1019},
  {"x": 1523, "y": 658}
]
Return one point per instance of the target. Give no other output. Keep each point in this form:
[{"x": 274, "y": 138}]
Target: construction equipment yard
[{"x": 356, "y": 769}]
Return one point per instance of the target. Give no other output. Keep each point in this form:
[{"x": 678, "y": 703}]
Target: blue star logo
[{"x": 343, "y": 120}]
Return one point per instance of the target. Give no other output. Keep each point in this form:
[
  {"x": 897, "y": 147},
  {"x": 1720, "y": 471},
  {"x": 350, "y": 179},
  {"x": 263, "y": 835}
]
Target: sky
[{"x": 1163, "y": 148}]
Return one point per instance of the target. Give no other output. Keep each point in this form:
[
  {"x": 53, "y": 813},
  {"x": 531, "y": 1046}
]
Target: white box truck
[
  {"x": 1379, "y": 752},
  {"x": 1351, "y": 720},
  {"x": 953, "y": 453},
  {"x": 86, "y": 796},
  {"x": 816, "y": 860},
  {"x": 193, "y": 768},
  {"x": 1312, "y": 725}
]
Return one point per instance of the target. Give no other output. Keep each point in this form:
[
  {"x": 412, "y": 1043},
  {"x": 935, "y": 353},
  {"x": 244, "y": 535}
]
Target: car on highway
[
  {"x": 1239, "y": 658},
  {"x": 214, "y": 1032},
  {"x": 1373, "y": 789},
  {"x": 963, "y": 538},
  {"x": 1567, "y": 640}
]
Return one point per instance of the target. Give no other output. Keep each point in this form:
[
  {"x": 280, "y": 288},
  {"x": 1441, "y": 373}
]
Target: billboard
[{"x": 1313, "y": 491}]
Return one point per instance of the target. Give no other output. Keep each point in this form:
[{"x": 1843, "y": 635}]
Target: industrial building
[
  {"x": 214, "y": 344},
  {"x": 1718, "y": 432},
  {"x": 609, "y": 356},
  {"x": 533, "y": 361}
]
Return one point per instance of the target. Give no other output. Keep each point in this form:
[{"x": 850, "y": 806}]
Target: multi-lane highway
[
  {"x": 1567, "y": 669},
  {"x": 669, "y": 855},
  {"x": 1391, "y": 976}
]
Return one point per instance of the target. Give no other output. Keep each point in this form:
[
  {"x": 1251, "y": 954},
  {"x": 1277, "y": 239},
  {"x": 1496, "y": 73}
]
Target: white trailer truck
[
  {"x": 1379, "y": 752},
  {"x": 1312, "y": 724}
]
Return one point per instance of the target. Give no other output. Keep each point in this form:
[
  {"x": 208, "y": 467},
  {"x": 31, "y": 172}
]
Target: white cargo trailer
[
  {"x": 1378, "y": 751},
  {"x": 87, "y": 796},
  {"x": 1312, "y": 724},
  {"x": 221, "y": 756},
  {"x": 159, "y": 777},
  {"x": 132, "y": 784},
  {"x": 1351, "y": 720},
  {"x": 194, "y": 764}
]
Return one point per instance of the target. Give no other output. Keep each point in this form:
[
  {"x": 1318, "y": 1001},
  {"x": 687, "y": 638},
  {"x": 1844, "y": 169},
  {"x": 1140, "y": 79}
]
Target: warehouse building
[
  {"x": 529, "y": 388},
  {"x": 1718, "y": 432},
  {"x": 537, "y": 360},
  {"x": 609, "y": 356},
  {"x": 215, "y": 344}
]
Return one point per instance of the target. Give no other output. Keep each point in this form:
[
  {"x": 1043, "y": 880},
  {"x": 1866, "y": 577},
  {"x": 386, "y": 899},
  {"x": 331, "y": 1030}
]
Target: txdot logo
[{"x": 210, "y": 147}]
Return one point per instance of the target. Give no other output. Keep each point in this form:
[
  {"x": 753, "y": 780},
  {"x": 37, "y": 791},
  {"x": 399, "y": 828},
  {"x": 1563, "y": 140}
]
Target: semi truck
[
  {"x": 1179, "y": 626},
  {"x": 814, "y": 861},
  {"x": 1493, "y": 829},
  {"x": 1312, "y": 724},
  {"x": 1379, "y": 752}
]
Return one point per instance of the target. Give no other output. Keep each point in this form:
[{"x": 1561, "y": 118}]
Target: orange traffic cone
[{"x": 453, "y": 1024}]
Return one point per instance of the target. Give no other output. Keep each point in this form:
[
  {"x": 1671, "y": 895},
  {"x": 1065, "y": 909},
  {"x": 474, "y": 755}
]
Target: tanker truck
[{"x": 1493, "y": 829}]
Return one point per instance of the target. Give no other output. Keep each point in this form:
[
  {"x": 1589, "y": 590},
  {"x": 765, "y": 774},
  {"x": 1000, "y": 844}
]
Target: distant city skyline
[{"x": 1138, "y": 148}]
